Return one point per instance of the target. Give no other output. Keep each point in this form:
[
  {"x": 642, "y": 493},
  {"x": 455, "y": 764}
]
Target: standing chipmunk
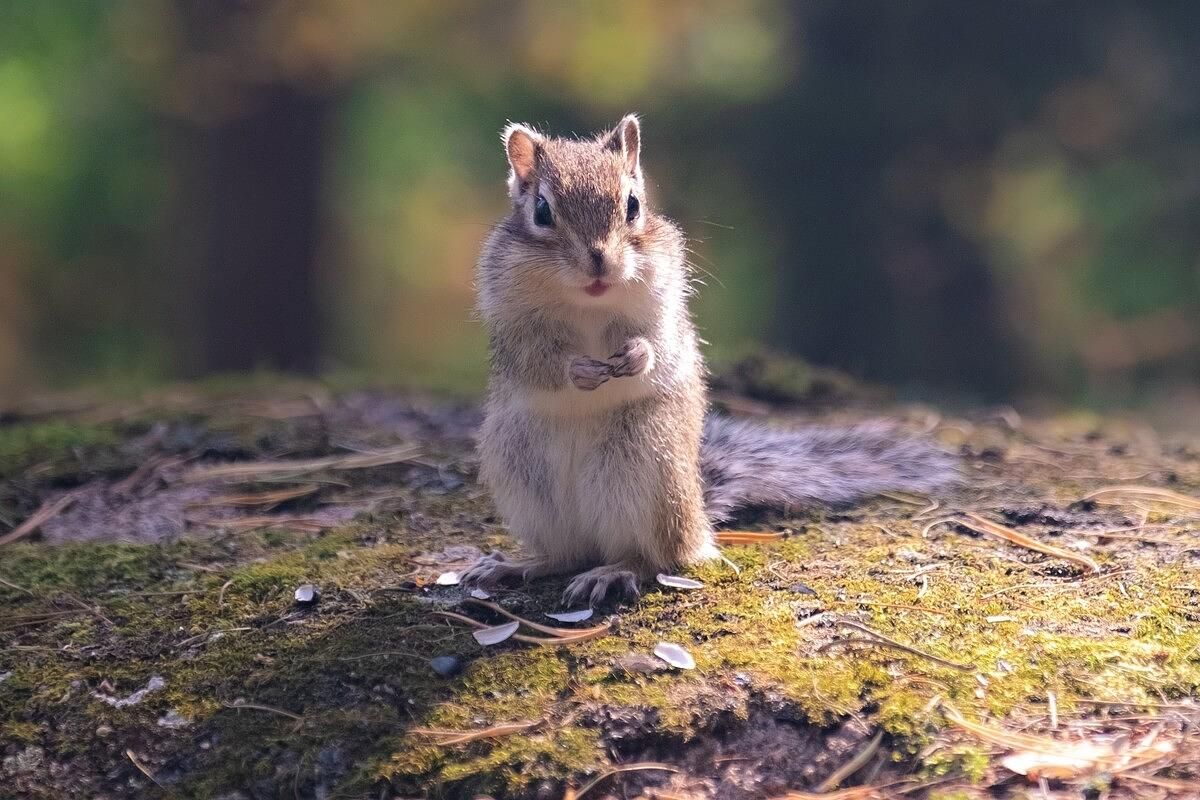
[{"x": 595, "y": 443}]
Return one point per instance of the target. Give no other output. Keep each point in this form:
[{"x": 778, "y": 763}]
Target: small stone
[
  {"x": 307, "y": 595},
  {"x": 104, "y": 730},
  {"x": 800, "y": 588},
  {"x": 173, "y": 720},
  {"x": 156, "y": 683},
  {"x": 446, "y": 666},
  {"x": 639, "y": 664}
]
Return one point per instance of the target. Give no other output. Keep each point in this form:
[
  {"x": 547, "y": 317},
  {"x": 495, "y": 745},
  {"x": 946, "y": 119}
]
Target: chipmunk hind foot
[{"x": 593, "y": 586}]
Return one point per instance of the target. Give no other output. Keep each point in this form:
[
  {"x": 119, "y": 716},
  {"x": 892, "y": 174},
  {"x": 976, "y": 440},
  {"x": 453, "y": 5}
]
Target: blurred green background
[{"x": 978, "y": 200}]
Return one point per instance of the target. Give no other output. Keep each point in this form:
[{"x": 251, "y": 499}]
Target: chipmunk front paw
[
  {"x": 494, "y": 571},
  {"x": 588, "y": 373},
  {"x": 634, "y": 358}
]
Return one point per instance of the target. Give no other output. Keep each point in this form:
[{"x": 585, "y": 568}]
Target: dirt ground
[{"x": 1026, "y": 635}]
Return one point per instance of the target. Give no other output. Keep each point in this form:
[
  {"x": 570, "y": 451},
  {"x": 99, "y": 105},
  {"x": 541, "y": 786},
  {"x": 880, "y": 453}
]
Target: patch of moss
[
  {"x": 215, "y": 617},
  {"x": 24, "y": 732},
  {"x": 57, "y": 444},
  {"x": 83, "y": 567},
  {"x": 969, "y": 761}
]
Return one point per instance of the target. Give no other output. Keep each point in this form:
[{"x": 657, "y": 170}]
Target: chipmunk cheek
[{"x": 630, "y": 263}]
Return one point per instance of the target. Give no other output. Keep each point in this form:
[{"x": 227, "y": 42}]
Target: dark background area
[{"x": 966, "y": 200}]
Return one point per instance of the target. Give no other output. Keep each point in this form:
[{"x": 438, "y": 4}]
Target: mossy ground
[{"x": 332, "y": 693}]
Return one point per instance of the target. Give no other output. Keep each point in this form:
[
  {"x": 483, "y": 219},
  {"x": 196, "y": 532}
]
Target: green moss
[
  {"x": 84, "y": 567},
  {"x": 56, "y": 444},
  {"x": 216, "y": 618},
  {"x": 24, "y": 732},
  {"x": 966, "y": 760},
  {"x": 512, "y": 763}
]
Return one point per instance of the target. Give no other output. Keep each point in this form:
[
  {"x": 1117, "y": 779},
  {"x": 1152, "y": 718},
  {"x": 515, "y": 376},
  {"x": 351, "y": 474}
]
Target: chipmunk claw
[
  {"x": 489, "y": 572},
  {"x": 596, "y": 584},
  {"x": 495, "y": 571},
  {"x": 589, "y": 373},
  {"x": 634, "y": 358}
]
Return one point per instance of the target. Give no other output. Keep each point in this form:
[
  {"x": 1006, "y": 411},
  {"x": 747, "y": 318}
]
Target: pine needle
[
  {"x": 856, "y": 793},
  {"x": 46, "y": 512},
  {"x": 983, "y": 525},
  {"x": 853, "y": 765},
  {"x": 1149, "y": 492},
  {"x": 557, "y": 632},
  {"x": 251, "y": 499},
  {"x": 248, "y": 524},
  {"x": 142, "y": 768},
  {"x": 748, "y": 537},
  {"x": 641, "y": 766},
  {"x": 907, "y": 499},
  {"x": 876, "y": 638},
  {"x": 271, "y": 709},
  {"x": 263, "y": 470},
  {"x": 447, "y": 737},
  {"x": 576, "y": 635}
]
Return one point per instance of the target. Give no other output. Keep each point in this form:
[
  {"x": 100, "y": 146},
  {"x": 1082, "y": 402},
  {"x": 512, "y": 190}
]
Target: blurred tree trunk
[{"x": 250, "y": 206}]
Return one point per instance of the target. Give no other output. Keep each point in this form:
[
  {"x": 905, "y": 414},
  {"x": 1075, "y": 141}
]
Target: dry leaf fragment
[
  {"x": 571, "y": 616},
  {"x": 447, "y": 579}
]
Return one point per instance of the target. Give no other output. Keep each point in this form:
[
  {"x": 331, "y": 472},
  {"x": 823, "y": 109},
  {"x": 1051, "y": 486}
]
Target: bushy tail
[{"x": 747, "y": 464}]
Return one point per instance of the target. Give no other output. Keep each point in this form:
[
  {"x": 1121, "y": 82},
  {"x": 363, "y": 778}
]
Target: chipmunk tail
[{"x": 745, "y": 464}]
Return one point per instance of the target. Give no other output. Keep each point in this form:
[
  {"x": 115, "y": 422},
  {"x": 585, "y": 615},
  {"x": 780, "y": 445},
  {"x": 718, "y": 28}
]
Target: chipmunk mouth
[{"x": 596, "y": 288}]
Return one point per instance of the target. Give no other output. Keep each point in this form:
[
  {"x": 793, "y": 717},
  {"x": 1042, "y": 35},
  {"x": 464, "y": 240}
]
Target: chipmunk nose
[{"x": 597, "y": 267}]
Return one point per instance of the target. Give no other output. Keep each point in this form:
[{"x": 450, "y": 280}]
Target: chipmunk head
[{"x": 580, "y": 216}]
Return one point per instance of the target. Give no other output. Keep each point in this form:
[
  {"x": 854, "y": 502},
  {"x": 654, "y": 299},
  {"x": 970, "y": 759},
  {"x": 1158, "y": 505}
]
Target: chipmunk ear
[
  {"x": 521, "y": 145},
  {"x": 626, "y": 138}
]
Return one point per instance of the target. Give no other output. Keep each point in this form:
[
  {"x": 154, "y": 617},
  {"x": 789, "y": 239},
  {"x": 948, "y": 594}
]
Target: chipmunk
[{"x": 595, "y": 442}]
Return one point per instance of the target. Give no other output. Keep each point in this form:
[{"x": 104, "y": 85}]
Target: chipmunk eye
[
  {"x": 632, "y": 208},
  {"x": 541, "y": 212}
]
